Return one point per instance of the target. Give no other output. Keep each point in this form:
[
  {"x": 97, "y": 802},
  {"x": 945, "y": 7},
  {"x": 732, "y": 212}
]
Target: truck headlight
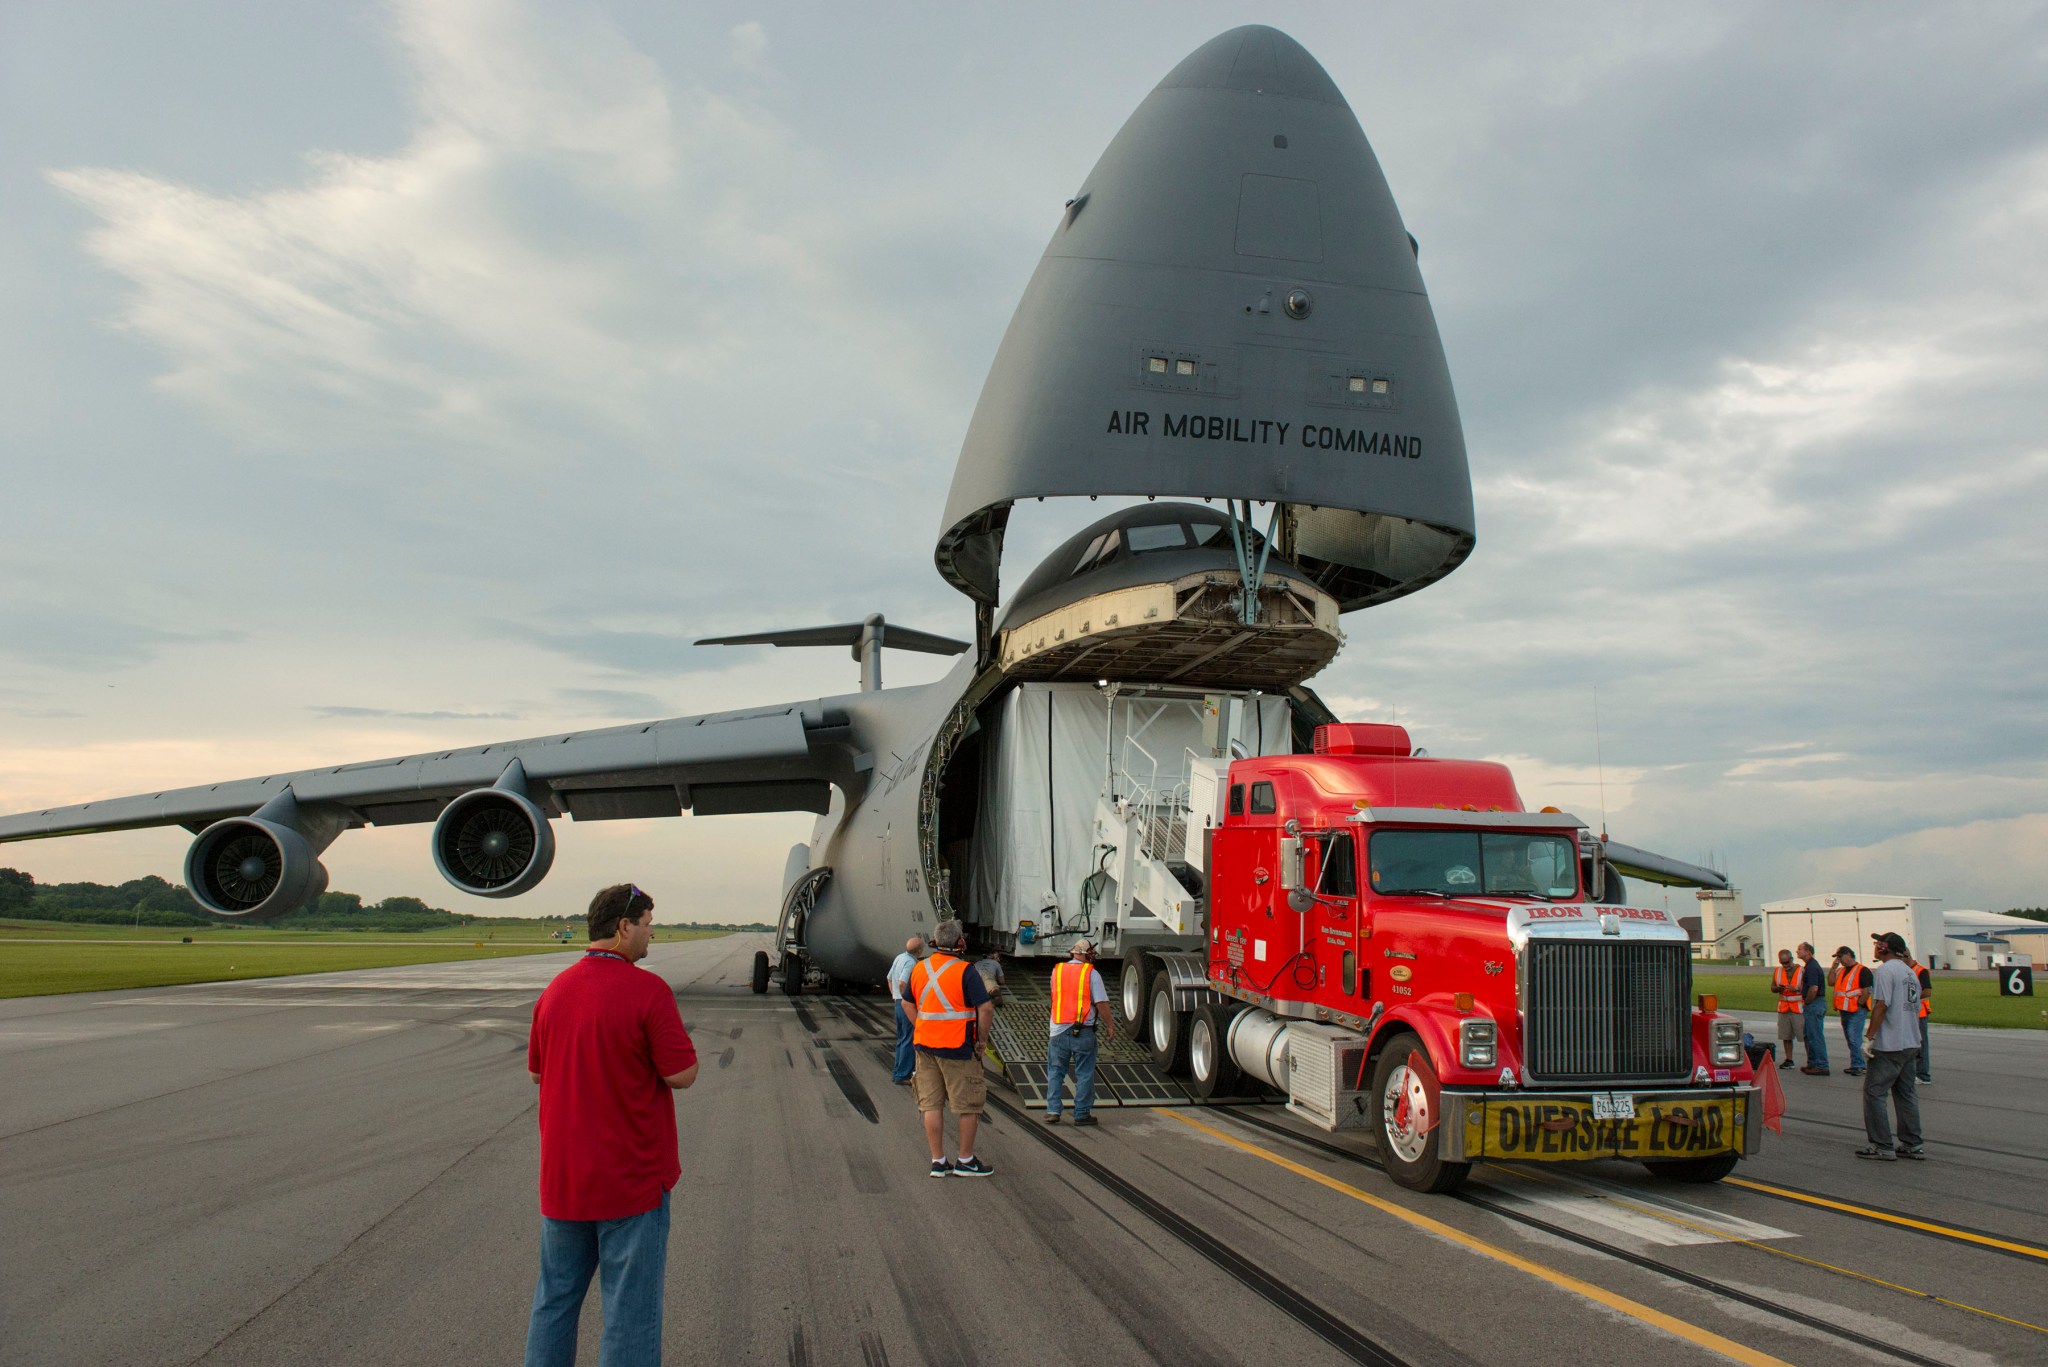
[
  {"x": 1476, "y": 1044},
  {"x": 1727, "y": 1043}
]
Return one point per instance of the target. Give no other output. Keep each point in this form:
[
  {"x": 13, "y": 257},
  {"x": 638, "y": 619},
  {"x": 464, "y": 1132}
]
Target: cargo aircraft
[{"x": 1230, "y": 323}]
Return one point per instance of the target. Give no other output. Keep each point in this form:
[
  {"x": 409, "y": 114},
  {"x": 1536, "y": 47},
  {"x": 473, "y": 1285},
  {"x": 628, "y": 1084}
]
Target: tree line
[{"x": 152, "y": 901}]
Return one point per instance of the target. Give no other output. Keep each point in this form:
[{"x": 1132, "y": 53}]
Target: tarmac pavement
[{"x": 340, "y": 1168}]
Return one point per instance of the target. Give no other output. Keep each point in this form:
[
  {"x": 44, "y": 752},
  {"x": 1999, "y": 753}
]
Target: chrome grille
[{"x": 1606, "y": 1011}]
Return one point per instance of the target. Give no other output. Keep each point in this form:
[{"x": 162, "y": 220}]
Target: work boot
[
  {"x": 1053, "y": 1118},
  {"x": 1817, "y": 1072}
]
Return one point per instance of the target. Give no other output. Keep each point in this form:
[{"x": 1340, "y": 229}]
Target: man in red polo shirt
[{"x": 607, "y": 1049}]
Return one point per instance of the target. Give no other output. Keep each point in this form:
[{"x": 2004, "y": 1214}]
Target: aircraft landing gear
[
  {"x": 792, "y": 974},
  {"x": 763, "y": 970}
]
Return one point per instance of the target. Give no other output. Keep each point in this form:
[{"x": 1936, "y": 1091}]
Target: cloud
[
  {"x": 84, "y": 641},
  {"x": 749, "y": 45},
  {"x": 614, "y": 702},
  {"x": 354, "y": 713}
]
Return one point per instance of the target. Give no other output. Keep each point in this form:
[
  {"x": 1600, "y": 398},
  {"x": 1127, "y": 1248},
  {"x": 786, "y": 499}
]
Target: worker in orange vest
[
  {"x": 1850, "y": 982},
  {"x": 950, "y": 1017},
  {"x": 1081, "y": 1020},
  {"x": 1785, "y": 985}
]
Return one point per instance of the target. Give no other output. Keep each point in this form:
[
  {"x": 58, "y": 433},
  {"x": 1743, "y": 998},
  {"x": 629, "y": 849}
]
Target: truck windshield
[{"x": 1460, "y": 863}]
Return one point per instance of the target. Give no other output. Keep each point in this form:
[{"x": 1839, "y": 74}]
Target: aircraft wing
[
  {"x": 763, "y": 760},
  {"x": 1659, "y": 868}
]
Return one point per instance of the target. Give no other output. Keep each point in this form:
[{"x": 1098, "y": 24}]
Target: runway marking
[
  {"x": 1887, "y": 1217},
  {"x": 1670, "y": 1324},
  {"x": 1670, "y": 1224}
]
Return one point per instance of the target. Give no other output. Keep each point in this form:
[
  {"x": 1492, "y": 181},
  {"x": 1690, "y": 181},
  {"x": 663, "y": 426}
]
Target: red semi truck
[{"x": 1394, "y": 943}]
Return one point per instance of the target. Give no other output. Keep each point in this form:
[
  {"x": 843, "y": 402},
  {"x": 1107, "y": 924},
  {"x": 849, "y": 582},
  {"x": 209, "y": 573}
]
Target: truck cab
[{"x": 1450, "y": 971}]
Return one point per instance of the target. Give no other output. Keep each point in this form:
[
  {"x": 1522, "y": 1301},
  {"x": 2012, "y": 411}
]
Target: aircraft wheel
[
  {"x": 763, "y": 971},
  {"x": 1169, "y": 1028},
  {"x": 1405, "y": 1101},
  {"x": 792, "y": 975},
  {"x": 1712, "y": 1168},
  {"x": 1214, "y": 1071},
  {"x": 1136, "y": 991}
]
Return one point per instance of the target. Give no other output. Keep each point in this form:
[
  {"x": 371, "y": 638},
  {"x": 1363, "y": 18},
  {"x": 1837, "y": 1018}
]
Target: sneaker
[
  {"x": 1817, "y": 1072},
  {"x": 1872, "y": 1151},
  {"x": 1053, "y": 1118},
  {"x": 1852, "y": 1072},
  {"x": 1917, "y": 1155},
  {"x": 1788, "y": 1063},
  {"x": 971, "y": 1167},
  {"x": 1086, "y": 1120},
  {"x": 941, "y": 1168}
]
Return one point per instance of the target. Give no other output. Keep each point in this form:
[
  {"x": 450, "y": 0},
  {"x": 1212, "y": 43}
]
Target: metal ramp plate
[{"x": 1124, "y": 1072}]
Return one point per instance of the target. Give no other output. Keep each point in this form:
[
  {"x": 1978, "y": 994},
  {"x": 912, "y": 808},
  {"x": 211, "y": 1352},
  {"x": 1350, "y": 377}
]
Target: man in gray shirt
[{"x": 1894, "y": 1035}]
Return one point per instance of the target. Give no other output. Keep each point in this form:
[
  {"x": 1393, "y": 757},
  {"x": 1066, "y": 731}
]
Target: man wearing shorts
[
  {"x": 950, "y": 1015},
  {"x": 1785, "y": 987}
]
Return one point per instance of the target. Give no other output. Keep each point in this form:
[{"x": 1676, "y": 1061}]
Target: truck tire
[
  {"x": 1712, "y": 1168},
  {"x": 1210, "y": 1065},
  {"x": 792, "y": 975},
  {"x": 1404, "y": 1086},
  {"x": 763, "y": 971},
  {"x": 1135, "y": 998},
  {"x": 1167, "y": 1028}
]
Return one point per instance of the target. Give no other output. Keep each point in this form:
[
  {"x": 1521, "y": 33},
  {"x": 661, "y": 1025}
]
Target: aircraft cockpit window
[
  {"x": 1160, "y": 537},
  {"x": 1088, "y": 556},
  {"x": 1202, "y": 533}
]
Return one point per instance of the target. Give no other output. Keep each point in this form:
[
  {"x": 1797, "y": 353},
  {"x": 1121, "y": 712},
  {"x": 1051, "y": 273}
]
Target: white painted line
[{"x": 1576, "y": 1202}]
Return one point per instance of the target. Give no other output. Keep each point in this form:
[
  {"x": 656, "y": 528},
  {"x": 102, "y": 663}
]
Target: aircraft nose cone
[{"x": 1258, "y": 59}]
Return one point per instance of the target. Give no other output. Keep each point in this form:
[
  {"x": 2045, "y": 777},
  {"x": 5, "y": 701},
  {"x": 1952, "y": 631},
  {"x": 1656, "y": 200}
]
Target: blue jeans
[
  {"x": 1072, "y": 1049},
  {"x": 1926, "y": 1073},
  {"x": 1816, "y": 1034},
  {"x": 1852, "y": 1030},
  {"x": 631, "y": 1257},
  {"x": 906, "y": 1055}
]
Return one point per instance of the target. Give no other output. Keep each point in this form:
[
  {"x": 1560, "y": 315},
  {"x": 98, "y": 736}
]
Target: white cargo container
[{"x": 1831, "y": 919}]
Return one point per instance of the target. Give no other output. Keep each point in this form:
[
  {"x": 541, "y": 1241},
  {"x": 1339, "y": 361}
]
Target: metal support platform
[{"x": 1124, "y": 1072}]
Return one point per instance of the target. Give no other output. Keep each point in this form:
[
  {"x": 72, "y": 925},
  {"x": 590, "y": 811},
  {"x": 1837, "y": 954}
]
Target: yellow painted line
[
  {"x": 1691, "y": 1333},
  {"x": 1925, "y": 1226},
  {"x": 1795, "y": 1257}
]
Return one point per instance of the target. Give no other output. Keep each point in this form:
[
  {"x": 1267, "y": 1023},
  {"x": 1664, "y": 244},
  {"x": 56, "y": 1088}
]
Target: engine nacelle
[
  {"x": 253, "y": 869},
  {"x": 493, "y": 842}
]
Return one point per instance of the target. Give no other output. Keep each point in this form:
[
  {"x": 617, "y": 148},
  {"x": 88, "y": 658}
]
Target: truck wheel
[
  {"x": 763, "y": 970},
  {"x": 1169, "y": 1028},
  {"x": 1712, "y": 1168},
  {"x": 1137, "y": 992},
  {"x": 792, "y": 975},
  {"x": 1404, "y": 1095},
  {"x": 1209, "y": 1062}
]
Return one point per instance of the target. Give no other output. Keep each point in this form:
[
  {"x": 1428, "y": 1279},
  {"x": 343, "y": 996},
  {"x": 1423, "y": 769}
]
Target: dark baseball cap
[
  {"x": 1892, "y": 940},
  {"x": 1845, "y": 950}
]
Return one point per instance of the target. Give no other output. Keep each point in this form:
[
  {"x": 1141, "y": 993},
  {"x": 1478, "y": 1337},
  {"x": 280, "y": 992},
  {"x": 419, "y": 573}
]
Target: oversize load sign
[{"x": 1539, "y": 1130}]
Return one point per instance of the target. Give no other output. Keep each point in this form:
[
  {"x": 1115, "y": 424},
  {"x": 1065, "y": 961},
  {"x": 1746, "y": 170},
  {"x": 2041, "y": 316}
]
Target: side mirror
[
  {"x": 1290, "y": 862},
  {"x": 1300, "y": 900}
]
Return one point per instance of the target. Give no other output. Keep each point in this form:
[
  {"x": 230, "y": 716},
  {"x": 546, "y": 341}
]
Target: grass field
[
  {"x": 1957, "y": 1001},
  {"x": 98, "y": 962}
]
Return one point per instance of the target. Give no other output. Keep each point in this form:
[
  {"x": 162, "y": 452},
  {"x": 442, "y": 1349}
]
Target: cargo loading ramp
[{"x": 1124, "y": 1072}]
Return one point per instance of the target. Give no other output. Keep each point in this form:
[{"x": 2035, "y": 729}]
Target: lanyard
[{"x": 603, "y": 954}]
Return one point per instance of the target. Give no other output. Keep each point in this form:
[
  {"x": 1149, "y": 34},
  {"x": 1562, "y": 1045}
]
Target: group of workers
[
  {"x": 945, "y": 1009},
  {"x": 1885, "y": 1008}
]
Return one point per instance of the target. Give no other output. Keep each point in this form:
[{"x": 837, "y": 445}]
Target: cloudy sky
[{"x": 382, "y": 377}]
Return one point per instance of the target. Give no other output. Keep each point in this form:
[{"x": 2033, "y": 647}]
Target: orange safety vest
[
  {"x": 1784, "y": 980},
  {"x": 1849, "y": 985},
  {"x": 1926, "y": 988},
  {"x": 939, "y": 985},
  {"x": 1073, "y": 996}
]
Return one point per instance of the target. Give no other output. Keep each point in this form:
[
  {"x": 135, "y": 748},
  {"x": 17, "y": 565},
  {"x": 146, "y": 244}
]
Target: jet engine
[
  {"x": 493, "y": 842},
  {"x": 253, "y": 868}
]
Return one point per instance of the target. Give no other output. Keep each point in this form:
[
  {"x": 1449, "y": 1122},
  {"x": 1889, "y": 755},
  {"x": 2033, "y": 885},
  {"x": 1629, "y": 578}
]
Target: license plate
[
  {"x": 1614, "y": 1105},
  {"x": 1546, "y": 1130}
]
